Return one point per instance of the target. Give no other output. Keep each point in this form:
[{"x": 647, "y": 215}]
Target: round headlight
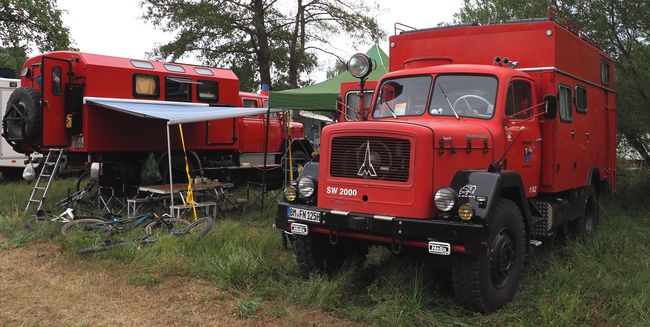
[
  {"x": 290, "y": 193},
  {"x": 306, "y": 186},
  {"x": 359, "y": 65},
  {"x": 445, "y": 199}
]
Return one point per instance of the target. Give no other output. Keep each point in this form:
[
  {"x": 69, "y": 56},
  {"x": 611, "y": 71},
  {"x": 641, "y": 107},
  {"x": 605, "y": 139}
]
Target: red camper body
[
  {"x": 480, "y": 142},
  {"x": 88, "y": 132}
]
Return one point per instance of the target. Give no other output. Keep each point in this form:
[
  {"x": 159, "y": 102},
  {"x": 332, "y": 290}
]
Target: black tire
[
  {"x": 485, "y": 284},
  {"x": 200, "y": 227},
  {"x": 83, "y": 225},
  {"x": 315, "y": 254},
  {"x": 155, "y": 228},
  {"x": 587, "y": 225},
  {"x": 23, "y": 119}
]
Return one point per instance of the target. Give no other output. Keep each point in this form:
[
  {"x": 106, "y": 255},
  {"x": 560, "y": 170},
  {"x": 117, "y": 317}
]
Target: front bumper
[{"x": 463, "y": 237}]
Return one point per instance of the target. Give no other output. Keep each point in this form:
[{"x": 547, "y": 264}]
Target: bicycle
[{"x": 95, "y": 228}]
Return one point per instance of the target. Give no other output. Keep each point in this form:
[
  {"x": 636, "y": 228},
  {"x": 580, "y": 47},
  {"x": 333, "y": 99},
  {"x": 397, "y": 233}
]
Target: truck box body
[
  {"x": 9, "y": 157},
  {"x": 552, "y": 55}
]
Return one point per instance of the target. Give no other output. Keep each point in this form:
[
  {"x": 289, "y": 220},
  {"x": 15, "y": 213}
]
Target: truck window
[
  {"x": 56, "y": 80},
  {"x": 604, "y": 72},
  {"x": 464, "y": 95},
  {"x": 518, "y": 100},
  {"x": 146, "y": 86},
  {"x": 352, "y": 103},
  {"x": 403, "y": 96},
  {"x": 250, "y": 103},
  {"x": 566, "y": 112},
  {"x": 178, "y": 89},
  {"x": 581, "y": 99},
  {"x": 207, "y": 91}
]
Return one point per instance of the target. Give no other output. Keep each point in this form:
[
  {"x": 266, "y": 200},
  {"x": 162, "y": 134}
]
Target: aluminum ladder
[{"x": 48, "y": 172}]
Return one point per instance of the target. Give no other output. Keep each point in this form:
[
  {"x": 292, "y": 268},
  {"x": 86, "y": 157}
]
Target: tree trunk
[
  {"x": 294, "y": 52},
  {"x": 262, "y": 45}
]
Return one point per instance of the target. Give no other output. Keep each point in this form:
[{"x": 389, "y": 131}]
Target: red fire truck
[
  {"x": 481, "y": 142},
  {"x": 50, "y": 111}
]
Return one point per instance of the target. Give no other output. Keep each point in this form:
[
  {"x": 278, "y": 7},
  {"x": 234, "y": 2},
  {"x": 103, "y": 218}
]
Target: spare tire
[{"x": 23, "y": 120}]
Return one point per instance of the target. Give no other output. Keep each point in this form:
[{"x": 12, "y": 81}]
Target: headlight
[
  {"x": 290, "y": 193},
  {"x": 306, "y": 187},
  {"x": 359, "y": 65},
  {"x": 465, "y": 212},
  {"x": 445, "y": 199}
]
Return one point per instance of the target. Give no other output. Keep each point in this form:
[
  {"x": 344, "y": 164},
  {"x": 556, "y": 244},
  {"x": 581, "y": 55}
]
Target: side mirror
[{"x": 550, "y": 107}]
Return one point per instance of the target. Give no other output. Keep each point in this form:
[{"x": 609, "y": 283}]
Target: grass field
[{"x": 599, "y": 282}]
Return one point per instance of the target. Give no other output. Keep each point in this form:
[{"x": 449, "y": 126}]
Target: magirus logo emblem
[{"x": 366, "y": 168}]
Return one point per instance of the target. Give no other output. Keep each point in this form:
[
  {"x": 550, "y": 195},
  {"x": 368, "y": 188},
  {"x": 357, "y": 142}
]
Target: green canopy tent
[{"x": 322, "y": 96}]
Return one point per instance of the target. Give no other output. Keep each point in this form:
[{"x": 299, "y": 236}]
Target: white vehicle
[{"x": 8, "y": 157}]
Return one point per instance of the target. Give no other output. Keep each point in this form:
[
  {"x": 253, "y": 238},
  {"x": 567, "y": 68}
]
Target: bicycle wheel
[
  {"x": 100, "y": 248},
  {"x": 157, "y": 227},
  {"x": 89, "y": 225},
  {"x": 199, "y": 228}
]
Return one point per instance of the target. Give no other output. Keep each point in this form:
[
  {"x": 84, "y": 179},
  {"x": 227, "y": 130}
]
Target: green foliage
[
  {"x": 148, "y": 280},
  {"x": 27, "y": 24},
  {"x": 261, "y": 40},
  {"x": 620, "y": 27}
]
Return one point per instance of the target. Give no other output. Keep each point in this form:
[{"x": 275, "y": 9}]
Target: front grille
[{"x": 380, "y": 158}]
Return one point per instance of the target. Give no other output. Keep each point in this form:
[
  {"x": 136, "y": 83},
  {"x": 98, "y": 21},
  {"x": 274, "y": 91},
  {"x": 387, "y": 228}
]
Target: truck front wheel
[
  {"x": 315, "y": 254},
  {"x": 486, "y": 283}
]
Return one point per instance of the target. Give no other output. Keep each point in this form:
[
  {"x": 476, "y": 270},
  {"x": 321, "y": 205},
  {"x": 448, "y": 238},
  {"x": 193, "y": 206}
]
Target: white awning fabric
[
  {"x": 309, "y": 114},
  {"x": 173, "y": 112}
]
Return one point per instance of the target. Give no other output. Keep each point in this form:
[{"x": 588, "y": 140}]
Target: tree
[
  {"x": 27, "y": 24},
  {"x": 259, "y": 39},
  {"x": 621, "y": 27}
]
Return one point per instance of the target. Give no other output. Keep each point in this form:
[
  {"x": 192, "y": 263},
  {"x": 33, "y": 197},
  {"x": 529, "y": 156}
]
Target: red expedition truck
[
  {"x": 50, "y": 111},
  {"x": 480, "y": 143}
]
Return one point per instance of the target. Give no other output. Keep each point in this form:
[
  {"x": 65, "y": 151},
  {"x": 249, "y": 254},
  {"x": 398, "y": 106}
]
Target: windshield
[
  {"x": 464, "y": 96},
  {"x": 405, "y": 96}
]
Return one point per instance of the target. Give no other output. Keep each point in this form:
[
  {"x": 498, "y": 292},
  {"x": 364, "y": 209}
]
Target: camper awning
[{"x": 173, "y": 112}]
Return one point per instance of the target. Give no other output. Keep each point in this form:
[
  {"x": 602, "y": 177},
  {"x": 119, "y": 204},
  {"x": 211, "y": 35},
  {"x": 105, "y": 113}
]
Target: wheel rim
[{"x": 502, "y": 260}]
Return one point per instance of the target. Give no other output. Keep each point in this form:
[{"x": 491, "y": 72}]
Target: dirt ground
[{"x": 39, "y": 287}]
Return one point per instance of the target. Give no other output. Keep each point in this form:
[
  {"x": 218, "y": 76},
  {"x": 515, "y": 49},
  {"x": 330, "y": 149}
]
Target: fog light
[
  {"x": 445, "y": 199},
  {"x": 290, "y": 194},
  {"x": 465, "y": 212}
]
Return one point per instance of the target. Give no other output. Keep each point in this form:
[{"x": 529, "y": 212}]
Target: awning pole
[
  {"x": 266, "y": 151},
  {"x": 171, "y": 181}
]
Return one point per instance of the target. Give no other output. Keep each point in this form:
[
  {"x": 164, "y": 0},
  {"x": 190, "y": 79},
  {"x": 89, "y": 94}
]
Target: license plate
[
  {"x": 299, "y": 229},
  {"x": 303, "y": 214},
  {"x": 440, "y": 248}
]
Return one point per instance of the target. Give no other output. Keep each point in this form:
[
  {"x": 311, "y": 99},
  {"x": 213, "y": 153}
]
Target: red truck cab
[{"x": 480, "y": 142}]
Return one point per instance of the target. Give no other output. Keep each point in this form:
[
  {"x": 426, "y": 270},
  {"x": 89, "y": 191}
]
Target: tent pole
[
  {"x": 171, "y": 181},
  {"x": 266, "y": 152}
]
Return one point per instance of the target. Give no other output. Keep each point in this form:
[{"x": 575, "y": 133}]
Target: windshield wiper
[
  {"x": 446, "y": 98},
  {"x": 389, "y": 108}
]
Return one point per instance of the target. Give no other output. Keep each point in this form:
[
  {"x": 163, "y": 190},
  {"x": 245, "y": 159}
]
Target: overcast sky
[{"x": 112, "y": 27}]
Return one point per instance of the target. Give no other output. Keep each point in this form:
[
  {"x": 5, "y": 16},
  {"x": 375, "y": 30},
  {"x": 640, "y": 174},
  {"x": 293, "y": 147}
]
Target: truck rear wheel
[
  {"x": 586, "y": 225},
  {"x": 315, "y": 254},
  {"x": 485, "y": 284}
]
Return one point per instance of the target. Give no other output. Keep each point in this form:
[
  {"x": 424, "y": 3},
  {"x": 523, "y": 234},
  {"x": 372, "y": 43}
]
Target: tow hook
[
  {"x": 334, "y": 237},
  {"x": 396, "y": 246}
]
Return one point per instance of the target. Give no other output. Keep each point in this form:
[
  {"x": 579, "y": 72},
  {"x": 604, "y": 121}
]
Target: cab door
[
  {"x": 55, "y": 75},
  {"x": 523, "y": 134}
]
